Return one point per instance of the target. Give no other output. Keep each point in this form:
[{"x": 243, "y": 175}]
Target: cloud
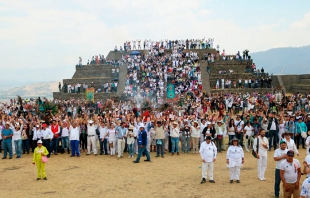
[{"x": 47, "y": 34}]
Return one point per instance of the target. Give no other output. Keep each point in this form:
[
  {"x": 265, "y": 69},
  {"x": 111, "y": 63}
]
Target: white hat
[
  {"x": 90, "y": 121},
  {"x": 37, "y": 125},
  {"x": 39, "y": 142},
  {"x": 8, "y": 123},
  {"x": 17, "y": 125},
  {"x": 208, "y": 122},
  {"x": 141, "y": 125}
]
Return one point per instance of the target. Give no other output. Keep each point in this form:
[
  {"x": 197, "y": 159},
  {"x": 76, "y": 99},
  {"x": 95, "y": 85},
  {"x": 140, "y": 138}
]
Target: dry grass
[{"x": 104, "y": 176}]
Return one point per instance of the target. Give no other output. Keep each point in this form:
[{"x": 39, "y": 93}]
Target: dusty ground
[{"x": 104, "y": 176}]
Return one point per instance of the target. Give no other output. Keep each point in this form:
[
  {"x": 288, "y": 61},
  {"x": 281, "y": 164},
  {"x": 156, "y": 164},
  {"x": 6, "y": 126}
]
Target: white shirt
[
  {"x": 239, "y": 126},
  {"x": 103, "y": 131},
  {"x": 305, "y": 189},
  {"x": 36, "y": 134},
  {"x": 65, "y": 132},
  {"x": 74, "y": 133},
  {"x": 290, "y": 170},
  {"x": 207, "y": 151},
  {"x": 234, "y": 155},
  {"x": 261, "y": 150},
  {"x": 91, "y": 130},
  {"x": 47, "y": 133},
  {"x": 277, "y": 153}
]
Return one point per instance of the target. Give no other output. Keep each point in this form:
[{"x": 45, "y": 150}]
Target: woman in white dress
[
  {"x": 112, "y": 138},
  {"x": 234, "y": 160}
]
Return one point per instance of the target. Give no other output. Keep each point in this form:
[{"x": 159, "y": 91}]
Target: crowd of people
[
  {"x": 167, "y": 44},
  {"x": 257, "y": 122}
]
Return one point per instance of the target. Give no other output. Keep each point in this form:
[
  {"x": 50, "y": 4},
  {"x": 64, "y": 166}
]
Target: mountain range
[{"x": 291, "y": 60}]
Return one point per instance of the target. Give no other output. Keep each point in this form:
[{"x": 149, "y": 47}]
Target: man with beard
[{"x": 260, "y": 147}]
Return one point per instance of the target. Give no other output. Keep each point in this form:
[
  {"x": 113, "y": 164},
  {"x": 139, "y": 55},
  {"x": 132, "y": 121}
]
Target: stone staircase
[
  {"x": 301, "y": 85},
  {"x": 239, "y": 71}
]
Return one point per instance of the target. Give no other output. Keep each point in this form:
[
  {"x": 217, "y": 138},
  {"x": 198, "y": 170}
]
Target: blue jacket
[{"x": 142, "y": 140}]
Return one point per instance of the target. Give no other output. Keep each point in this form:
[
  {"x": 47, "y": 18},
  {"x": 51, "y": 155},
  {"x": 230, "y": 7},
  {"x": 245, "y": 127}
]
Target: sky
[{"x": 42, "y": 40}]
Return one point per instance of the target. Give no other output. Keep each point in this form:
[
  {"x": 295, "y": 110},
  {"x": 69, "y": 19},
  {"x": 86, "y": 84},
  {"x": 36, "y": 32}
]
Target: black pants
[
  {"x": 83, "y": 141},
  {"x": 0, "y": 145},
  {"x": 34, "y": 144},
  {"x": 239, "y": 136},
  {"x": 47, "y": 144},
  {"x": 297, "y": 141}
]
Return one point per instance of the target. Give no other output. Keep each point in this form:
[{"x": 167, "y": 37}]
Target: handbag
[
  {"x": 253, "y": 152},
  {"x": 44, "y": 159},
  {"x": 219, "y": 137},
  {"x": 302, "y": 133}
]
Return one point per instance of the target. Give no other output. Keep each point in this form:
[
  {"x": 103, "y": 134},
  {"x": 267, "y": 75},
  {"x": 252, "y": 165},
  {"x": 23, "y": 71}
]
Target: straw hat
[
  {"x": 234, "y": 139},
  {"x": 287, "y": 133}
]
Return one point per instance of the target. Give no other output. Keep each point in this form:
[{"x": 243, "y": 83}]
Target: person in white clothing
[
  {"x": 307, "y": 144},
  {"x": 290, "y": 174},
  {"x": 130, "y": 141},
  {"x": 279, "y": 156},
  {"x": 208, "y": 152},
  {"x": 36, "y": 131},
  {"x": 305, "y": 188},
  {"x": 74, "y": 137},
  {"x": 260, "y": 147},
  {"x": 249, "y": 132},
  {"x": 112, "y": 138},
  {"x": 91, "y": 137},
  {"x": 290, "y": 142},
  {"x": 234, "y": 159}
]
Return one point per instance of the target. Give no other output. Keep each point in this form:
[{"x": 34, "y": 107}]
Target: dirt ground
[{"x": 104, "y": 176}]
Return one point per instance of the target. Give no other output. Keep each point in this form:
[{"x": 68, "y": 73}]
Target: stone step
[
  {"x": 96, "y": 81},
  {"x": 243, "y": 90},
  {"x": 236, "y": 76},
  {"x": 98, "y": 96},
  {"x": 304, "y": 76},
  {"x": 300, "y": 87},
  {"x": 304, "y": 81}
]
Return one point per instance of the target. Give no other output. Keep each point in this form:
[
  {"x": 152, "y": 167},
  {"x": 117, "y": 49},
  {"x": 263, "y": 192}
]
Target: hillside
[
  {"x": 292, "y": 60},
  {"x": 43, "y": 89}
]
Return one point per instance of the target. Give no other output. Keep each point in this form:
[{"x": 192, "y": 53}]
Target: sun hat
[
  {"x": 90, "y": 121},
  {"x": 141, "y": 125},
  {"x": 39, "y": 142},
  {"x": 234, "y": 139}
]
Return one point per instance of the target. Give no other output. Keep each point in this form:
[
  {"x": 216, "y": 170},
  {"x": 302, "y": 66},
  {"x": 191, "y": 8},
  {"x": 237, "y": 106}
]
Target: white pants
[
  {"x": 261, "y": 166},
  {"x": 234, "y": 173},
  {"x": 91, "y": 141},
  {"x": 120, "y": 147},
  {"x": 112, "y": 150},
  {"x": 207, "y": 167},
  {"x": 13, "y": 147},
  {"x": 148, "y": 144}
]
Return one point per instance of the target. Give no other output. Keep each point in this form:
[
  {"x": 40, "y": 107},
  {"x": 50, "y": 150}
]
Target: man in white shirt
[
  {"x": 279, "y": 156},
  {"x": 47, "y": 136},
  {"x": 290, "y": 175},
  {"x": 208, "y": 152},
  {"x": 103, "y": 129},
  {"x": 91, "y": 137},
  {"x": 74, "y": 137},
  {"x": 260, "y": 147},
  {"x": 36, "y": 131}
]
